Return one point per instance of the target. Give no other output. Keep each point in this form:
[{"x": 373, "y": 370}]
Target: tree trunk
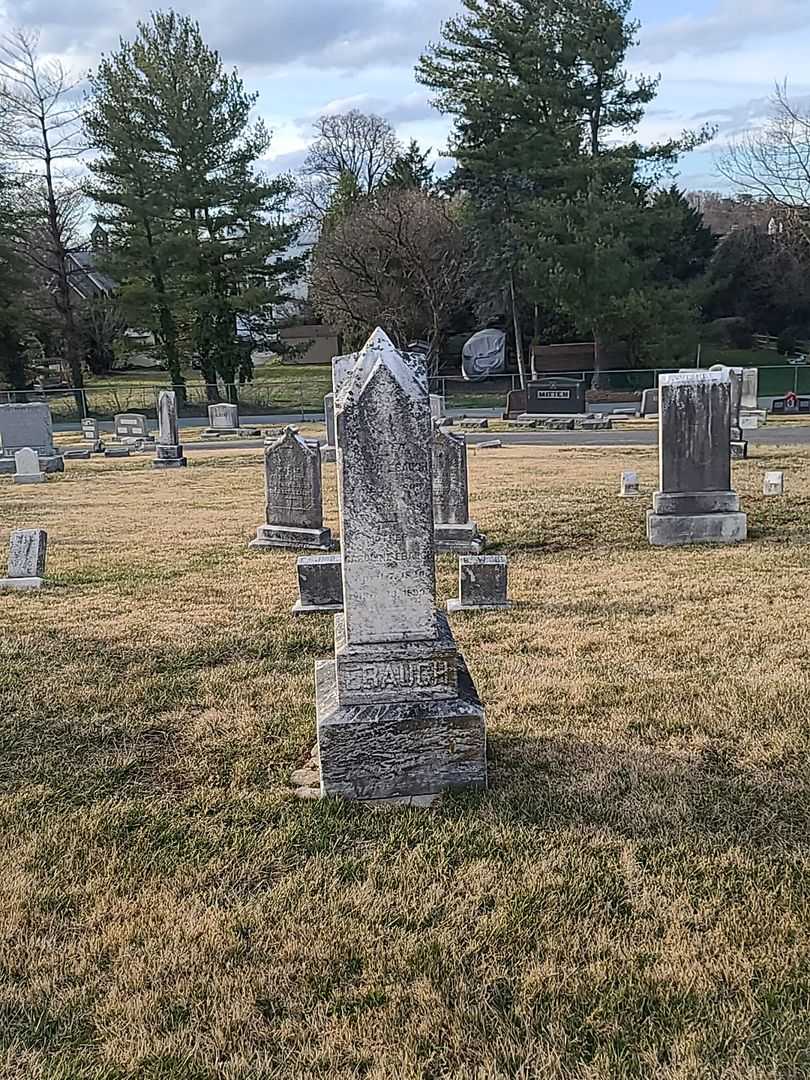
[{"x": 599, "y": 381}]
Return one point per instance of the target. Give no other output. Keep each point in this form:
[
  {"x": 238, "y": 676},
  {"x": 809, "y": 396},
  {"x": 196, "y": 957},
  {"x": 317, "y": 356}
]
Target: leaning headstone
[
  {"x": 320, "y": 584},
  {"x": 773, "y": 483},
  {"x": 294, "y": 511},
  {"x": 482, "y": 584},
  {"x": 696, "y": 503},
  {"x": 629, "y": 485},
  {"x": 130, "y": 427},
  {"x": 168, "y": 451},
  {"x": 26, "y": 462},
  {"x": 26, "y": 559},
  {"x": 451, "y": 510},
  {"x": 398, "y": 716},
  {"x": 328, "y": 451}
]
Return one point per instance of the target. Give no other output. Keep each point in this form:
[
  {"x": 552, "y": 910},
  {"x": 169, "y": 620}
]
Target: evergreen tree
[
  {"x": 14, "y": 282},
  {"x": 411, "y": 169},
  {"x": 211, "y": 231}
]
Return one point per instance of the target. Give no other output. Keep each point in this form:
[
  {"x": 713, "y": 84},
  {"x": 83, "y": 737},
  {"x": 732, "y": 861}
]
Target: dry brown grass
[{"x": 630, "y": 899}]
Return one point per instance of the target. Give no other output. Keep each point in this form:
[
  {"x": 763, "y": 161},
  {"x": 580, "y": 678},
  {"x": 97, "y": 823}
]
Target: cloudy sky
[{"x": 718, "y": 59}]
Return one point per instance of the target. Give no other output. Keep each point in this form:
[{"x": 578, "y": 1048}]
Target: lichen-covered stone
[
  {"x": 453, "y": 530},
  {"x": 294, "y": 506},
  {"x": 168, "y": 452},
  {"x": 28, "y": 550}
]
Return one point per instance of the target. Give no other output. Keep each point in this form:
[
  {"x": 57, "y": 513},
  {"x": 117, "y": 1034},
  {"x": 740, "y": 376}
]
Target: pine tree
[
  {"x": 14, "y": 283},
  {"x": 411, "y": 169},
  {"x": 211, "y": 231}
]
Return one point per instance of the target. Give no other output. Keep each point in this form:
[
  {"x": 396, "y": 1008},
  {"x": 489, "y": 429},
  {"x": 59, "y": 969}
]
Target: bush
[
  {"x": 786, "y": 343},
  {"x": 733, "y": 332}
]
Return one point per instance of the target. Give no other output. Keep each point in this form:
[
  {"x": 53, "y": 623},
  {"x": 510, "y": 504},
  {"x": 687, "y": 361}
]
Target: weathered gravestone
[
  {"x": 26, "y": 463},
  {"x": 91, "y": 434},
  {"x": 629, "y": 485},
  {"x": 168, "y": 451},
  {"x": 398, "y": 716},
  {"x": 773, "y": 483},
  {"x": 26, "y": 559},
  {"x": 130, "y": 427},
  {"x": 453, "y": 529},
  {"x": 649, "y": 403},
  {"x": 436, "y": 406},
  {"x": 482, "y": 584},
  {"x": 696, "y": 503},
  {"x": 223, "y": 417},
  {"x": 557, "y": 395},
  {"x": 320, "y": 584},
  {"x": 292, "y": 472},
  {"x": 328, "y": 451},
  {"x": 28, "y": 426}
]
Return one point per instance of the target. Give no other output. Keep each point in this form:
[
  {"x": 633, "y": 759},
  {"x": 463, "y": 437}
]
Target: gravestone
[
  {"x": 453, "y": 530},
  {"x": 24, "y": 426},
  {"x": 26, "y": 559},
  {"x": 130, "y": 427},
  {"x": 168, "y": 451},
  {"x": 558, "y": 395},
  {"x": 773, "y": 483},
  {"x": 436, "y": 406},
  {"x": 294, "y": 510},
  {"x": 26, "y": 463},
  {"x": 77, "y": 455},
  {"x": 91, "y": 434},
  {"x": 629, "y": 485},
  {"x": 750, "y": 389},
  {"x": 696, "y": 503},
  {"x": 649, "y": 402},
  {"x": 482, "y": 584},
  {"x": 320, "y": 584},
  {"x": 223, "y": 417},
  {"x": 398, "y": 716},
  {"x": 328, "y": 451}
]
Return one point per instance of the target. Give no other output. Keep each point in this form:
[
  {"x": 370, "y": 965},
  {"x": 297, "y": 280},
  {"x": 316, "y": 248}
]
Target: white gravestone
[
  {"x": 90, "y": 430},
  {"x": 695, "y": 503},
  {"x": 629, "y": 485},
  {"x": 294, "y": 503},
  {"x": 453, "y": 530},
  {"x": 398, "y": 716},
  {"x": 26, "y": 463},
  {"x": 436, "y": 406},
  {"x": 482, "y": 584},
  {"x": 223, "y": 417},
  {"x": 26, "y": 559},
  {"x": 168, "y": 450},
  {"x": 773, "y": 483}
]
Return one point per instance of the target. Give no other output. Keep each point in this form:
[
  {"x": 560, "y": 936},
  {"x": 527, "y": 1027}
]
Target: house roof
[{"x": 88, "y": 280}]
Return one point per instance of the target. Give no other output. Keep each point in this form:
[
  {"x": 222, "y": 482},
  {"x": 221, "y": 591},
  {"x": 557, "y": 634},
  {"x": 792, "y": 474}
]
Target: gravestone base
[
  {"x": 29, "y": 478},
  {"x": 82, "y": 454},
  {"x": 676, "y": 530},
  {"x": 454, "y": 605},
  {"x": 21, "y": 582},
  {"x": 462, "y": 539},
  {"x": 169, "y": 457},
  {"x": 52, "y": 463},
  {"x": 231, "y": 433},
  {"x": 282, "y": 536},
  {"x": 399, "y": 750}
]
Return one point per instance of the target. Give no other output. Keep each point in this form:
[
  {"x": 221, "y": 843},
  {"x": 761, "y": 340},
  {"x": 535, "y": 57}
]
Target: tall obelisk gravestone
[
  {"x": 398, "y": 715},
  {"x": 696, "y": 503},
  {"x": 168, "y": 451}
]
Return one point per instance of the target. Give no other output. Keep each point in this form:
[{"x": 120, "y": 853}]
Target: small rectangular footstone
[
  {"x": 773, "y": 483},
  {"x": 28, "y": 550},
  {"x": 320, "y": 585},
  {"x": 482, "y": 584}
]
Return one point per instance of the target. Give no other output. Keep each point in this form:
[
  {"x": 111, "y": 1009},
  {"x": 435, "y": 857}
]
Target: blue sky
[{"x": 718, "y": 59}]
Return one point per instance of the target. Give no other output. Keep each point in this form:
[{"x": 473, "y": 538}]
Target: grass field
[{"x": 630, "y": 899}]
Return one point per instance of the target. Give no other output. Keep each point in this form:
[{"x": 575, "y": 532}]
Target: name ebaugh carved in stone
[{"x": 404, "y": 675}]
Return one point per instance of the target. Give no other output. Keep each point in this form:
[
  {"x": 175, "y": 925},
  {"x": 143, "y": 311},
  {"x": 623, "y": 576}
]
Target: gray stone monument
[
  {"x": 27, "y": 470},
  {"x": 28, "y": 426},
  {"x": 320, "y": 585},
  {"x": 482, "y": 584},
  {"x": 92, "y": 435},
  {"x": 629, "y": 488},
  {"x": 292, "y": 471},
  {"x": 168, "y": 451},
  {"x": 26, "y": 559},
  {"x": 696, "y": 503},
  {"x": 130, "y": 427},
  {"x": 649, "y": 403},
  {"x": 398, "y": 715},
  {"x": 436, "y": 406},
  {"x": 451, "y": 511},
  {"x": 223, "y": 418},
  {"x": 328, "y": 450},
  {"x": 773, "y": 483}
]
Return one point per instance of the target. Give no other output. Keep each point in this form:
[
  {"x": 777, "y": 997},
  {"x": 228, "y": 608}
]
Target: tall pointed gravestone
[
  {"x": 453, "y": 530},
  {"x": 398, "y": 716},
  {"x": 294, "y": 511},
  {"x": 168, "y": 451},
  {"x": 696, "y": 503}
]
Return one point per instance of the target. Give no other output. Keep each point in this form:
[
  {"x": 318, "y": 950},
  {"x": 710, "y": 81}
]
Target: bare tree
[
  {"x": 773, "y": 163},
  {"x": 397, "y": 259},
  {"x": 42, "y": 127},
  {"x": 353, "y": 147}
]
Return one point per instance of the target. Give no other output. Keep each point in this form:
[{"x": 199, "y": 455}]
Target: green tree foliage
[
  {"x": 411, "y": 169},
  {"x": 198, "y": 235},
  {"x": 544, "y": 121},
  {"x": 14, "y": 282}
]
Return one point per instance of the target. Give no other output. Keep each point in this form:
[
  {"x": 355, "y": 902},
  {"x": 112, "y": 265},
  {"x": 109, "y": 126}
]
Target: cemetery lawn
[{"x": 630, "y": 899}]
